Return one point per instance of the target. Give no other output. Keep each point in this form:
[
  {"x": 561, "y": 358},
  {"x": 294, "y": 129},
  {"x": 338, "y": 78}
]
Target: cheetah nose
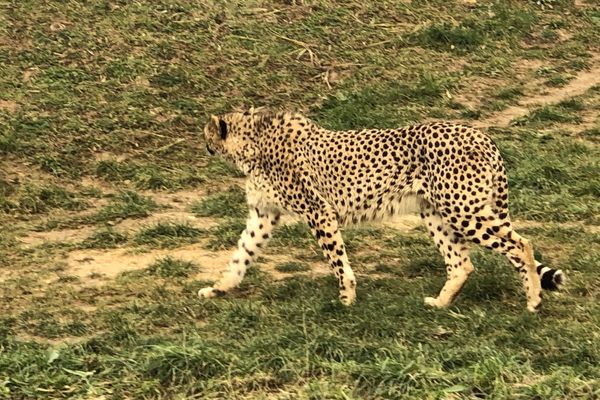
[{"x": 210, "y": 151}]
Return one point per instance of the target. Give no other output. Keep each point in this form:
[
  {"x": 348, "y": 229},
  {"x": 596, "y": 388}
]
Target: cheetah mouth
[{"x": 210, "y": 151}]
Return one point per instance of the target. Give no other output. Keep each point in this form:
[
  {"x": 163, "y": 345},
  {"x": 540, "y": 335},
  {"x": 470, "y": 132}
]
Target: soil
[
  {"x": 96, "y": 266},
  {"x": 578, "y": 86},
  {"x": 9, "y": 106}
]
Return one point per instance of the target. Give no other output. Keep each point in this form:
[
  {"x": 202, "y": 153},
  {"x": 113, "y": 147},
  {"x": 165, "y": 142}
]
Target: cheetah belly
[{"x": 390, "y": 202}]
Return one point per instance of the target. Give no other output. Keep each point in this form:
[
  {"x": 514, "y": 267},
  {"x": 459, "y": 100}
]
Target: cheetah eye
[{"x": 222, "y": 129}]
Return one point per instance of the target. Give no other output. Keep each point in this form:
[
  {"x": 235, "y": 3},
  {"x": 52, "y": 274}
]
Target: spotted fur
[{"x": 453, "y": 172}]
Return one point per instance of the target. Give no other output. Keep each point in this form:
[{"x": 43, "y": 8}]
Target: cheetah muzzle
[{"x": 331, "y": 178}]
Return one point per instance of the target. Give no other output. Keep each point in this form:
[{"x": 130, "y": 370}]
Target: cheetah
[{"x": 453, "y": 172}]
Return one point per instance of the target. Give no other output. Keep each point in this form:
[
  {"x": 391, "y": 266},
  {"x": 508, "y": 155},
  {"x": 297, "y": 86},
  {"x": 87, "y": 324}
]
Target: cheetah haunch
[{"x": 330, "y": 178}]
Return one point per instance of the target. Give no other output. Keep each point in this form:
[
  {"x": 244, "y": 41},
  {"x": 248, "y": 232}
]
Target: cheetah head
[{"x": 233, "y": 137}]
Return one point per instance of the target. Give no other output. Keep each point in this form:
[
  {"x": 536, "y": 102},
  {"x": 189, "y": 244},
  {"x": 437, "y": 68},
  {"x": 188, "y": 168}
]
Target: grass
[
  {"x": 292, "y": 266},
  {"x": 102, "y": 106},
  {"x": 297, "y": 234},
  {"x": 509, "y": 93},
  {"x": 37, "y": 199},
  {"x": 366, "y": 106},
  {"x": 104, "y": 239},
  {"x": 553, "y": 177},
  {"x": 226, "y": 234},
  {"x": 558, "y": 80},
  {"x": 230, "y": 203},
  {"x": 145, "y": 177},
  {"x": 167, "y": 235},
  {"x": 293, "y": 336},
  {"x": 127, "y": 204},
  {"x": 171, "y": 268},
  {"x": 475, "y": 32},
  {"x": 563, "y": 112}
]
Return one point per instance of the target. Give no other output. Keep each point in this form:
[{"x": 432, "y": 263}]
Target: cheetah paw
[
  {"x": 347, "y": 298},
  {"x": 534, "y": 307},
  {"x": 433, "y": 302},
  {"x": 208, "y": 292}
]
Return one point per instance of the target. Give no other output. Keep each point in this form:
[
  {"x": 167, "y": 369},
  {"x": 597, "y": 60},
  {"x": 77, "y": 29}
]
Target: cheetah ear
[
  {"x": 223, "y": 129},
  {"x": 221, "y": 125},
  {"x": 214, "y": 120}
]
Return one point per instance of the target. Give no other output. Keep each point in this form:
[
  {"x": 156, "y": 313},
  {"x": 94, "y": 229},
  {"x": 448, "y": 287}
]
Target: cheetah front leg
[
  {"x": 324, "y": 226},
  {"x": 259, "y": 227}
]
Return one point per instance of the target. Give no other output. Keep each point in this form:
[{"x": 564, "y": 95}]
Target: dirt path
[
  {"x": 578, "y": 86},
  {"x": 96, "y": 267}
]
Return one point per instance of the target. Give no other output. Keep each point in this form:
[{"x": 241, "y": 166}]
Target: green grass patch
[
  {"x": 502, "y": 24},
  {"x": 37, "y": 199},
  {"x": 43, "y": 323},
  {"x": 218, "y": 169},
  {"x": 292, "y": 266},
  {"x": 104, "y": 239},
  {"x": 558, "y": 80},
  {"x": 226, "y": 234},
  {"x": 509, "y": 93},
  {"x": 552, "y": 177},
  {"x": 148, "y": 176},
  {"x": 169, "y": 267},
  {"x": 446, "y": 37},
  {"x": 591, "y": 134},
  {"x": 126, "y": 204},
  {"x": 167, "y": 234},
  {"x": 383, "y": 105},
  {"x": 292, "y": 235},
  {"x": 565, "y": 112},
  {"x": 356, "y": 237},
  {"x": 65, "y": 164},
  {"x": 275, "y": 336},
  {"x": 230, "y": 203}
]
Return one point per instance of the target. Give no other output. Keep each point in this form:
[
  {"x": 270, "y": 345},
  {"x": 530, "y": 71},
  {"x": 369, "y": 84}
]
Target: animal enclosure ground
[{"x": 113, "y": 215}]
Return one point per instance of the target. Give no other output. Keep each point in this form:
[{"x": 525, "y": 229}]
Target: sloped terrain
[{"x": 113, "y": 215}]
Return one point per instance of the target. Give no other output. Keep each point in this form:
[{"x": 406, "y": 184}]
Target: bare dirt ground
[
  {"x": 578, "y": 86},
  {"x": 9, "y": 106},
  {"x": 99, "y": 266},
  {"x": 96, "y": 267}
]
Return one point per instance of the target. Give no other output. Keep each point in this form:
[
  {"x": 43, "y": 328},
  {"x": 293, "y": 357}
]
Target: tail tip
[
  {"x": 552, "y": 279},
  {"x": 559, "y": 278}
]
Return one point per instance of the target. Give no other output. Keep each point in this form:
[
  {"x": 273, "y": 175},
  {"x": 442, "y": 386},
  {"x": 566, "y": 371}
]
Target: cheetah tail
[{"x": 551, "y": 279}]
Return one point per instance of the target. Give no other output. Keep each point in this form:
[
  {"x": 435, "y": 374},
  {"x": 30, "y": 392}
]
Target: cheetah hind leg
[
  {"x": 534, "y": 275},
  {"x": 520, "y": 253},
  {"x": 259, "y": 227},
  {"x": 496, "y": 233},
  {"x": 456, "y": 257}
]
